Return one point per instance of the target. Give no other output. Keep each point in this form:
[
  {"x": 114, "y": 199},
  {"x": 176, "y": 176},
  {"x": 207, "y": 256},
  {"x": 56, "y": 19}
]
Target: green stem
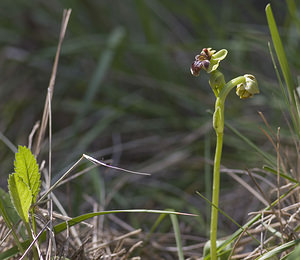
[
  {"x": 218, "y": 85},
  {"x": 230, "y": 85},
  {"x": 219, "y": 128},
  {"x": 33, "y": 221},
  {"x": 215, "y": 198}
]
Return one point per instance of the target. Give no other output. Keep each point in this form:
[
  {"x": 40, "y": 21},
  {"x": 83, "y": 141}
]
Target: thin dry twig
[
  {"x": 258, "y": 187},
  {"x": 34, "y": 241},
  {"x": 32, "y": 133},
  {"x": 41, "y": 133}
]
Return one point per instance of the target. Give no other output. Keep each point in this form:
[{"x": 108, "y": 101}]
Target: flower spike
[{"x": 247, "y": 86}]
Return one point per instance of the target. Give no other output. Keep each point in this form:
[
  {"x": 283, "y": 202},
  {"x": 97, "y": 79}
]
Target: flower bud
[{"x": 248, "y": 88}]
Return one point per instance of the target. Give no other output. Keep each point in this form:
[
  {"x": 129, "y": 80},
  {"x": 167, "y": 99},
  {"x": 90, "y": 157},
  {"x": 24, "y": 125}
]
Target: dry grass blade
[
  {"x": 266, "y": 122},
  {"x": 42, "y": 129},
  {"x": 51, "y": 240},
  {"x": 92, "y": 160},
  {"x": 258, "y": 187}
]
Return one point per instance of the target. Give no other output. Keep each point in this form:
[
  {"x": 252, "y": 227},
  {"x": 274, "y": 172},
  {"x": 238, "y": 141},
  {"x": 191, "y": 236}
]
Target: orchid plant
[{"x": 246, "y": 86}]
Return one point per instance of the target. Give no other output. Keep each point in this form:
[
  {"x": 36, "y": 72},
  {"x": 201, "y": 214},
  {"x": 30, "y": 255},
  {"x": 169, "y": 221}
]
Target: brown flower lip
[{"x": 201, "y": 61}]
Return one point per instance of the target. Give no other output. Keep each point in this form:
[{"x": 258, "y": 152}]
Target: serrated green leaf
[
  {"x": 27, "y": 168},
  {"x": 20, "y": 195}
]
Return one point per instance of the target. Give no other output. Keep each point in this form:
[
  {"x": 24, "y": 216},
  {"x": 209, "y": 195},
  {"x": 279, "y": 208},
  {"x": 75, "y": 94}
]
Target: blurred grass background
[{"x": 124, "y": 93}]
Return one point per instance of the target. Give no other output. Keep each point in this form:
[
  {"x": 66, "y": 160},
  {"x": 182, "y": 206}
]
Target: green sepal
[{"x": 215, "y": 60}]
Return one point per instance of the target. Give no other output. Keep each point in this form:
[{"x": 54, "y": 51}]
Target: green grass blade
[
  {"x": 269, "y": 158},
  {"x": 177, "y": 236},
  {"x": 7, "y": 209},
  {"x": 294, "y": 255},
  {"x": 155, "y": 225},
  {"x": 8, "y": 254},
  {"x": 284, "y": 67},
  {"x": 280, "y": 54},
  {"x": 279, "y": 249},
  {"x": 9, "y": 216},
  {"x": 63, "y": 226},
  {"x": 269, "y": 169},
  {"x": 278, "y": 75}
]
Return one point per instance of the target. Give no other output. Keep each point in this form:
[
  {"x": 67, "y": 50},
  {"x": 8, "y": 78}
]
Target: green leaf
[
  {"x": 20, "y": 196},
  {"x": 269, "y": 169},
  {"x": 27, "y": 168},
  {"x": 24, "y": 183}
]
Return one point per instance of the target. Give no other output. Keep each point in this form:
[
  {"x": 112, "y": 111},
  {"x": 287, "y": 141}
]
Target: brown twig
[{"x": 41, "y": 133}]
